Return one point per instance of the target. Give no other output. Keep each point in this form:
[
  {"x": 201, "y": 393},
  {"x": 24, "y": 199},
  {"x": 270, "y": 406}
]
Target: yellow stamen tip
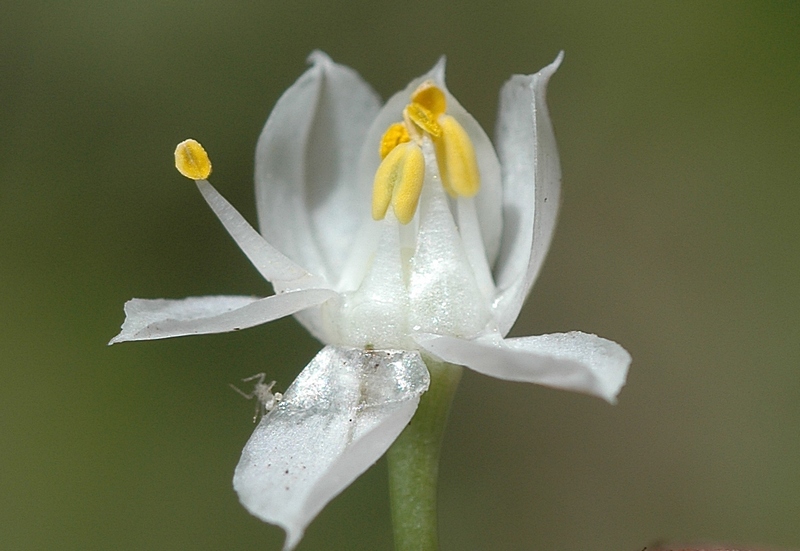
[
  {"x": 398, "y": 181},
  {"x": 431, "y": 97},
  {"x": 192, "y": 161},
  {"x": 423, "y": 118},
  {"x": 394, "y": 136},
  {"x": 456, "y": 158}
]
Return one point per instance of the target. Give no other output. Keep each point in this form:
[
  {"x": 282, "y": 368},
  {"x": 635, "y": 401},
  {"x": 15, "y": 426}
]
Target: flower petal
[
  {"x": 489, "y": 201},
  {"x": 338, "y": 417},
  {"x": 306, "y": 165},
  {"x": 270, "y": 262},
  {"x": 376, "y": 313},
  {"x": 469, "y": 229},
  {"x": 444, "y": 295},
  {"x": 531, "y": 170},
  {"x": 571, "y": 361},
  {"x": 147, "y": 319}
]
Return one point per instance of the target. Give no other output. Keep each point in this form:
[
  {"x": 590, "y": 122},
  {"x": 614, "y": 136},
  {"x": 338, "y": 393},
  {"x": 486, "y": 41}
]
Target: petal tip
[
  {"x": 618, "y": 362},
  {"x": 318, "y": 57},
  {"x": 438, "y": 70},
  {"x": 548, "y": 70}
]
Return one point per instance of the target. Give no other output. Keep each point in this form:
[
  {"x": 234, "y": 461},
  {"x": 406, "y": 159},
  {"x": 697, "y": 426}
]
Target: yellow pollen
[
  {"x": 401, "y": 174},
  {"x": 431, "y": 97},
  {"x": 192, "y": 161},
  {"x": 394, "y": 135},
  {"x": 423, "y": 118},
  {"x": 398, "y": 181},
  {"x": 455, "y": 156}
]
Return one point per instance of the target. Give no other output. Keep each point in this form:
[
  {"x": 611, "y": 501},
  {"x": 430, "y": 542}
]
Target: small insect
[{"x": 266, "y": 400}]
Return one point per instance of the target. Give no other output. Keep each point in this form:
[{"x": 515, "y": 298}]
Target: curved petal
[
  {"x": 531, "y": 171},
  {"x": 488, "y": 201},
  {"x": 306, "y": 163},
  {"x": 337, "y": 418},
  {"x": 147, "y": 319},
  {"x": 469, "y": 229},
  {"x": 571, "y": 361},
  {"x": 269, "y": 262}
]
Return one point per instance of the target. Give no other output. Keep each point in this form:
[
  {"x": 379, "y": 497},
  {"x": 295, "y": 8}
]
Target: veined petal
[
  {"x": 571, "y": 361},
  {"x": 338, "y": 417},
  {"x": 269, "y": 262},
  {"x": 147, "y": 319},
  {"x": 531, "y": 172},
  {"x": 306, "y": 166}
]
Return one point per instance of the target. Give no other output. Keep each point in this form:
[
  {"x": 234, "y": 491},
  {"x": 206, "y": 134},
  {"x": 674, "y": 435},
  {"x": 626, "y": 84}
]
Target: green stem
[{"x": 414, "y": 463}]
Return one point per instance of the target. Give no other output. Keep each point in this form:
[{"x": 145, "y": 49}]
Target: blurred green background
[{"x": 679, "y": 131}]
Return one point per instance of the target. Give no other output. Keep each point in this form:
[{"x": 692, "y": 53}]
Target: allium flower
[{"x": 391, "y": 233}]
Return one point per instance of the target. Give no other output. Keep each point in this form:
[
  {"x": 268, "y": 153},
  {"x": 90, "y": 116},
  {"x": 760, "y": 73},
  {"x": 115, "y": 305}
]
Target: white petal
[
  {"x": 528, "y": 154},
  {"x": 338, "y": 417},
  {"x": 469, "y": 229},
  {"x": 147, "y": 319},
  {"x": 376, "y": 314},
  {"x": 488, "y": 201},
  {"x": 270, "y": 262},
  {"x": 571, "y": 361},
  {"x": 306, "y": 164},
  {"x": 444, "y": 296}
]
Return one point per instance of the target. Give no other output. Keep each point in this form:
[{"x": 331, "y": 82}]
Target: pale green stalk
[{"x": 414, "y": 463}]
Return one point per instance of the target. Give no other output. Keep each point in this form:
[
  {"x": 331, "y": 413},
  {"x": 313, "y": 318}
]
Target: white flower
[{"x": 443, "y": 272}]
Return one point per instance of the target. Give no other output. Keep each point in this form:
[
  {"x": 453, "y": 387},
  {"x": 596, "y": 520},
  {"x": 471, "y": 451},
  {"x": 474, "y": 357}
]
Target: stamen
[
  {"x": 423, "y": 118},
  {"x": 456, "y": 158},
  {"x": 399, "y": 178},
  {"x": 430, "y": 97},
  {"x": 407, "y": 191},
  {"x": 398, "y": 181},
  {"x": 192, "y": 161},
  {"x": 394, "y": 135}
]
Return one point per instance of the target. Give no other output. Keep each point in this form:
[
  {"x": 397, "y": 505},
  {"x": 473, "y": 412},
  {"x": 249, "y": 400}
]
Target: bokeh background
[{"x": 679, "y": 131}]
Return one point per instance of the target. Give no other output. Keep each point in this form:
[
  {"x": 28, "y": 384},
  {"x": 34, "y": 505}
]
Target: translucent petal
[
  {"x": 571, "y": 361},
  {"x": 270, "y": 262},
  {"x": 306, "y": 163},
  {"x": 528, "y": 155},
  {"x": 147, "y": 319},
  {"x": 377, "y": 313},
  {"x": 473, "y": 245},
  {"x": 444, "y": 296},
  {"x": 337, "y": 418}
]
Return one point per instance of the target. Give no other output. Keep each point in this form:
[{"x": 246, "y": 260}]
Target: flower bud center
[{"x": 399, "y": 178}]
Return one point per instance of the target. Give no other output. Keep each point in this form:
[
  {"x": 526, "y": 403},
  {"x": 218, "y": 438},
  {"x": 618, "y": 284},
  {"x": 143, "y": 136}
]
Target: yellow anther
[
  {"x": 192, "y": 161},
  {"x": 431, "y": 97},
  {"x": 423, "y": 118},
  {"x": 398, "y": 182},
  {"x": 394, "y": 135},
  {"x": 407, "y": 191},
  {"x": 455, "y": 156}
]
